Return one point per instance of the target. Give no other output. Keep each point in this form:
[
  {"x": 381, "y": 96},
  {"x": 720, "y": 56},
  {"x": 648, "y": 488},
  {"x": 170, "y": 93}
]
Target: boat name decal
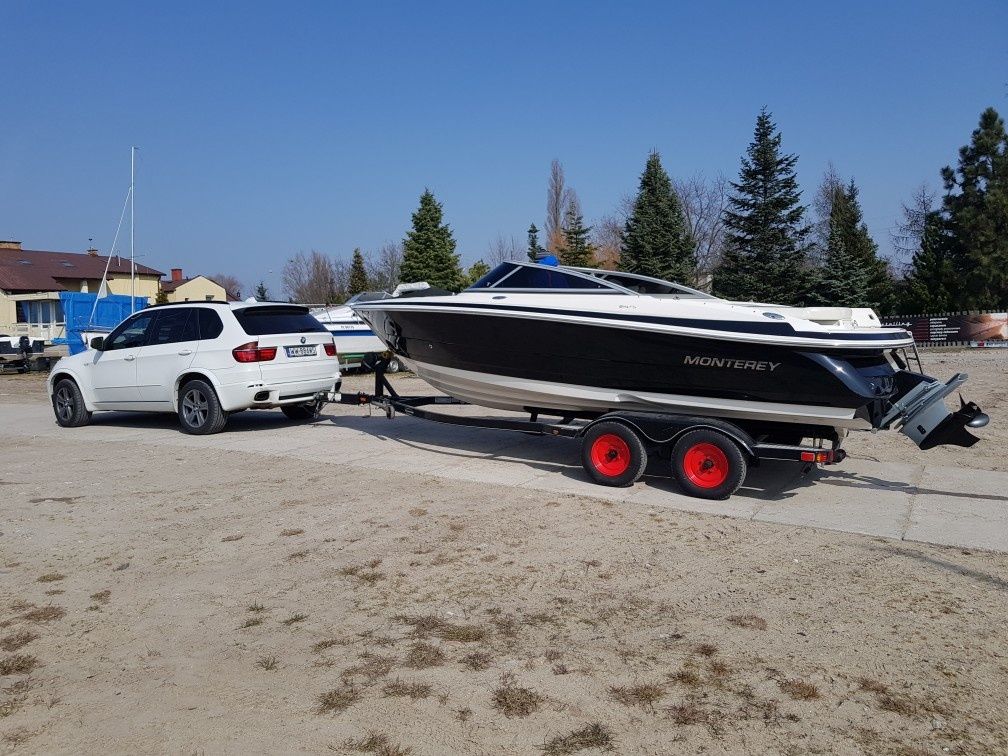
[{"x": 728, "y": 362}]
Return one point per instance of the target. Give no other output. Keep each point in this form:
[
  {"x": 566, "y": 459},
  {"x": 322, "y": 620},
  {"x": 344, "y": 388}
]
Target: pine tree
[
  {"x": 261, "y": 292},
  {"x": 534, "y": 250},
  {"x": 577, "y": 249},
  {"x": 932, "y": 283},
  {"x": 766, "y": 242},
  {"x": 656, "y": 240},
  {"x": 476, "y": 271},
  {"x": 852, "y": 274},
  {"x": 162, "y": 296},
  {"x": 975, "y": 211},
  {"x": 357, "y": 281},
  {"x": 429, "y": 249}
]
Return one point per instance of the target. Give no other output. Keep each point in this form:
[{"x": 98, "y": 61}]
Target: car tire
[
  {"x": 68, "y": 405},
  {"x": 199, "y": 410},
  {"x": 613, "y": 454},
  {"x": 300, "y": 412},
  {"x": 708, "y": 464}
]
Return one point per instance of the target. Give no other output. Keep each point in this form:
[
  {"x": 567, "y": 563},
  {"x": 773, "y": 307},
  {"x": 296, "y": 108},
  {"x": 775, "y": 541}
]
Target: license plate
[{"x": 300, "y": 351}]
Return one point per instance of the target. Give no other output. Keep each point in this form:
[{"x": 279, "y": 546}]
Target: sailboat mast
[{"x": 132, "y": 222}]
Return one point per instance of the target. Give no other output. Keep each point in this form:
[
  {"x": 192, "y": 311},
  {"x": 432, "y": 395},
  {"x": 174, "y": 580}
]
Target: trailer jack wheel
[
  {"x": 708, "y": 464},
  {"x": 613, "y": 454}
]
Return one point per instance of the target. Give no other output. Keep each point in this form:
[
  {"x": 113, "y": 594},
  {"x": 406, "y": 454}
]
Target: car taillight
[
  {"x": 252, "y": 352},
  {"x": 330, "y": 349}
]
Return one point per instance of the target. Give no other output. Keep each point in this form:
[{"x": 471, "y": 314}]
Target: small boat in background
[{"x": 356, "y": 344}]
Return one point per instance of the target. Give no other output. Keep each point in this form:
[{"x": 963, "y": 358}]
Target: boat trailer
[{"x": 709, "y": 456}]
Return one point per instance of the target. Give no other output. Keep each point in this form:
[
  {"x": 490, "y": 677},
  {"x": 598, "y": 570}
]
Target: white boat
[
  {"x": 581, "y": 342},
  {"x": 356, "y": 344}
]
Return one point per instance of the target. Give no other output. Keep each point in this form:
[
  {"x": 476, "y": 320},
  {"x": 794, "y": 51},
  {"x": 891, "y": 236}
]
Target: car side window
[
  {"x": 210, "y": 325},
  {"x": 130, "y": 333},
  {"x": 173, "y": 324}
]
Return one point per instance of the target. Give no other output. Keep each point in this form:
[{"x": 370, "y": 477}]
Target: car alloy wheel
[{"x": 195, "y": 408}]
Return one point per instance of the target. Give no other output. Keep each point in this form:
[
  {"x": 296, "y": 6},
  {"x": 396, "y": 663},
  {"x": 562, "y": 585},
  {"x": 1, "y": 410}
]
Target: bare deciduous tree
[
  {"x": 504, "y": 250},
  {"x": 608, "y": 234},
  {"x": 311, "y": 279},
  {"x": 383, "y": 266},
  {"x": 703, "y": 202},
  {"x": 822, "y": 203},
  {"x": 230, "y": 283},
  {"x": 906, "y": 236},
  {"x": 556, "y": 202}
]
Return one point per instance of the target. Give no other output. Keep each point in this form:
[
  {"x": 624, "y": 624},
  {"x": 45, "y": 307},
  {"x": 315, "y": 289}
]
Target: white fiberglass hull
[{"x": 517, "y": 394}]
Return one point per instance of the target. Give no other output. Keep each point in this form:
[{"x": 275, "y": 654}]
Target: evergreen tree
[
  {"x": 534, "y": 250},
  {"x": 656, "y": 240},
  {"x": 161, "y": 297},
  {"x": 577, "y": 249},
  {"x": 429, "y": 249},
  {"x": 476, "y": 271},
  {"x": 932, "y": 283},
  {"x": 852, "y": 273},
  {"x": 357, "y": 281},
  {"x": 261, "y": 292},
  {"x": 975, "y": 213},
  {"x": 766, "y": 241}
]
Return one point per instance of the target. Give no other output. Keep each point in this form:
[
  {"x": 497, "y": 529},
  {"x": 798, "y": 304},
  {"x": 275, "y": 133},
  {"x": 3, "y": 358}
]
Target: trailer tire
[
  {"x": 708, "y": 464},
  {"x": 613, "y": 454}
]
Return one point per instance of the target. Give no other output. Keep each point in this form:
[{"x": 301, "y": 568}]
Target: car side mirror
[{"x": 98, "y": 343}]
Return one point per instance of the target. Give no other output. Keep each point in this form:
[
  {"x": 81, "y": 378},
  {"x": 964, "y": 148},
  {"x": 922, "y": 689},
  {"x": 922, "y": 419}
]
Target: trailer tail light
[
  {"x": 252, "y": 352},
  {"x": 822, "y": 457},
  {"x": 330, "y": 349}
]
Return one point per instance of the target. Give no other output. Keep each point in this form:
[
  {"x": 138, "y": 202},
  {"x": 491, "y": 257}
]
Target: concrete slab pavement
[{"x": 942, "y": 505}]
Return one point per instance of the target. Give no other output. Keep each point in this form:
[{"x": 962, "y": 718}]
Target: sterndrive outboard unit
[{"x": 920, "y": 413}]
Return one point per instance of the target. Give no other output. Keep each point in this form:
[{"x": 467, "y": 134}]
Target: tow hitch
[{"x": 922, "y": 416}]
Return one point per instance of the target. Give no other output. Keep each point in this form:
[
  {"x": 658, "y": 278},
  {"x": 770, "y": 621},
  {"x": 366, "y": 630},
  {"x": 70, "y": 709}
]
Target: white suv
[{"x": 202, "y": 360}]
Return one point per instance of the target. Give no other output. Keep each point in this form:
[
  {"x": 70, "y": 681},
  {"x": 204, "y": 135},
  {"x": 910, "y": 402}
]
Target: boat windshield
[
  {"x": 645, "y": 284},
  {"x": 367, "y": 296},
  {"x": 511, "y": 275}
]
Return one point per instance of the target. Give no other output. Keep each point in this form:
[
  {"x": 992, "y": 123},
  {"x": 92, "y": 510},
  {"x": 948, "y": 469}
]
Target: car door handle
[
  {"x": 129, "y": 357},
  {"x": 184, "y": 352}
]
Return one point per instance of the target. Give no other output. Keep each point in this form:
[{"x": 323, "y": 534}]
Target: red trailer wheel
[
  {"x": 613, "y": 454},
  {"x": 708, "y": 464}
]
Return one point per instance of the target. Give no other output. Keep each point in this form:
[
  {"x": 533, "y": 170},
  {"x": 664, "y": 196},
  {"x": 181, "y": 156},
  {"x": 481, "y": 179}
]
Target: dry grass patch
[
  {"x": 286, "y": 532},
  {"x": 372, "y": 666},
  {"x": 17, "y": 640},
  {"x": 900, "y": 704},
  {"x": 18, "y": 736},
  {"x": 45, "y": 614},
  {"x": 51, "y": 577},
  {"x": 102, "y": 597},
  {"x": 720, "y": 670},
  {"x": 512, "y": 700},
  {"x": 294, "y": 619},
  {"x": 17, "y": 664},
  {"x": 268, "y": 663},
  {"x": 643, "y": 694},
  {"x": 800, "y": 690},
  {"x": 225, "y": 539},
  {"x": 477, "y": 661},
  {"x": 378, "y": 744},
  {"x": 255, "y": 606},
  {"x": 297, "y": 555},
  {"x": 250, "y": 622},
  {"x": 463, "y": 633},
  {"x": 687, "y": 714},
  {"x": 422, "y": 655},
  {"x": 366, "y": 573},
  {"x": 338, "y": 699},
  {"x": 686, "y": 676},
  {"x": 872, "y": 686},
  {"x": 327, "y": 643},
  {"x": 592, "y": 735},
  {"x": 706, "y": 649},
  {"x": 54, "y": 592},
  {"x": 748, "y": 621},
  {"x": 403, "y": 689}
]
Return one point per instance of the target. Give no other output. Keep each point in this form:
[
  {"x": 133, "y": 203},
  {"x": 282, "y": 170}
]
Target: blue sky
[{"x": 267, "y": 129}]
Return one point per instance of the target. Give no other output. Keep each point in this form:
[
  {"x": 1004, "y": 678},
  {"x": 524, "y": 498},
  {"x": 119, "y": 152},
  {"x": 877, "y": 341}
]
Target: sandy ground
[{"x": 203, "y": 600}]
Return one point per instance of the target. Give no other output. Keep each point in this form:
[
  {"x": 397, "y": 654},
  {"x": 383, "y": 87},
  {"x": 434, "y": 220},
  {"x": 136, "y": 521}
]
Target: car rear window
[{"x": 263, "y": 321}]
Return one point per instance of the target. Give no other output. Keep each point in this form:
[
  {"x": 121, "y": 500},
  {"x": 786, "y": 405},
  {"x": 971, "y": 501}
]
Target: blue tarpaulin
[{"x": 109, "y": 313}]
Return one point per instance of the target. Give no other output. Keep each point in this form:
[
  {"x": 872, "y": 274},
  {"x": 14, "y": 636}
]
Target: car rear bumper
[{"x": 267, "y": 394}]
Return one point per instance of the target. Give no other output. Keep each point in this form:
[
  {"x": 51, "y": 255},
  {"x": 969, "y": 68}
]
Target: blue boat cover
[{"x": 109, "y": 313}]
